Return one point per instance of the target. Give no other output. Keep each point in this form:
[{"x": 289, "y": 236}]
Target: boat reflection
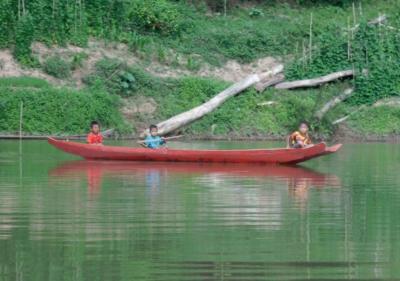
[
  {"x": 168, "y": 194},
  {"x": 298, "y": 179}
]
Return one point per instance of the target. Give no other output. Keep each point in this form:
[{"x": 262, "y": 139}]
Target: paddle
[{"x": 168, "y": 138}]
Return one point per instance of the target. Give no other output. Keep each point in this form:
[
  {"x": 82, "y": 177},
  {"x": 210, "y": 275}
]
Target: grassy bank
[{"x": 50, "y": 110}]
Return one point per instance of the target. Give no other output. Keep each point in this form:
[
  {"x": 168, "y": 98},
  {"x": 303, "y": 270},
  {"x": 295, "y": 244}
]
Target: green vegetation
[
  {"x": 381, "y": 120},
  {"x": 373, "y": 51},
  {"x": 243, "y": 115},
  {"x": 114, "y": 76},
  {"x": 49, "y": 110},
  {"x": 57, "y": 67},
  {"x": 200, "y": 32},
  {"x": 23, "y": 82},
  {"x": 78, "y": 60},
  {"x": 270, "y": 28}
]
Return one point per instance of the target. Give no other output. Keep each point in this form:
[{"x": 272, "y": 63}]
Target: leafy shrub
[
  {"x": 78, "y": 59},
  {"x": 156, "y": 15},
  {"x": 114, "y": 76},
  {"x": 23, "y": 40},
  {"x": 7, "y": 23},
  {"x": 254, "y": 12},
  {"x": 51, "y": 111},
  {"x": 374, "y": 54},
  {"x": 57, "y": 67},
  {"x": 137, "y": 42},
  {"x": 193, "y": 63}
]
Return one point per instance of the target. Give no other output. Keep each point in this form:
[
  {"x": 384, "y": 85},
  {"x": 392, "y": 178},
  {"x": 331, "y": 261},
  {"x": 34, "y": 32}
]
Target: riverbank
[
  {"x": 49, "y": 110},
  {"x": 138, "y": 78}
]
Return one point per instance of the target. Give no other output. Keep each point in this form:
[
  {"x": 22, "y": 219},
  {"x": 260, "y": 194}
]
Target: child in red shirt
[{"x": 95, "y": 136}]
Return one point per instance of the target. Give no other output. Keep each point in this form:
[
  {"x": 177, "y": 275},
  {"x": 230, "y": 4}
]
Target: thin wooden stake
[
  {"x": 225, "y": 3},
  {"x": 19, "y": 9},
  {"x": 310, "y": 47},
  {"x": 54, "y": 8},
  {"x": 349, "y": 37},
  {"x": 21, "y": 115},
  {"x": 23, "y": 8}
]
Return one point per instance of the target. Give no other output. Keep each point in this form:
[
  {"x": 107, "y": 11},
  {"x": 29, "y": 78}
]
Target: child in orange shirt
[
  {"x": 300, "y": 138},
  {"x": 94, "y": 137}
]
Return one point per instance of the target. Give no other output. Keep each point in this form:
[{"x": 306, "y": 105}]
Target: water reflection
[{"x": 298, "y": 179}]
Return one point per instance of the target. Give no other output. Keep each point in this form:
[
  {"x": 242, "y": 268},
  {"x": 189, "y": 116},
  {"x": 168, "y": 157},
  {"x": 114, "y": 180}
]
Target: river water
[{"x": 332, "y": 218}]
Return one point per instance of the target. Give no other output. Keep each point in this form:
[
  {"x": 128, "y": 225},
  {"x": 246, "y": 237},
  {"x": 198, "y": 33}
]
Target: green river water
[{"x": 332, "y": 218}]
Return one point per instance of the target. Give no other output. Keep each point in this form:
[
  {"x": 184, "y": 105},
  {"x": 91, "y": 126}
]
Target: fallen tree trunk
[
  {"x": 196, "y": 113},
  {"x": 261, "y": 86},
  {"x": 315, "y": 81},
  {"x": 333, "y": 102}
]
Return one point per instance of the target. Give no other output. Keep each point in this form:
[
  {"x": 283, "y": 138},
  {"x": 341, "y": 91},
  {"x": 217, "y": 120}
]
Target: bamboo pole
[
  {"x": 310, "y": 43},
  {"x": 354, "y": 15},
  {"x": 349, "y": 35},
  {"x": 225, "y": 8},
  {"x": 19, "y": 9},
  {"x": 21, "y": 115}
]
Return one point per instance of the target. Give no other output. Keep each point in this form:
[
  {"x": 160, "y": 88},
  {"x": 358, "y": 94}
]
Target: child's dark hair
[
  {"x": 152, "y": 126},
  {"x": 304, "y": 123},
  {"x": 93, "y": 123}
]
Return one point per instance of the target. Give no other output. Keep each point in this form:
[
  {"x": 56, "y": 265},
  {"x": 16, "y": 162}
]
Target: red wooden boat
[{"x": 265, "y": 156}]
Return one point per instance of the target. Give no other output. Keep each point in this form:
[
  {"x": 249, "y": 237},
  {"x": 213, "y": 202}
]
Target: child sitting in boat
[
  {"x": 94, "y": 137},
  {"x": 154, "y": 140},
  {"x": 300, "y": 138}
]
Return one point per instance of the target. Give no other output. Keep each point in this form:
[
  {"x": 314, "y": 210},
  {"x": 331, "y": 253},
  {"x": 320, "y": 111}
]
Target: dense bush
[
  {"x": 24, "y": 34},
  {"x": 114, "y": 76},
  {"x": 7, "y": 23},
  {"x": 50, "y": 111},
  {"x": 156, "y": 15},
  {"x": 373, "y": 51},
  {"x": 78, "y": 60},
  {"x": 243, "y": 34},
  {"x": 57, "y": 67}
]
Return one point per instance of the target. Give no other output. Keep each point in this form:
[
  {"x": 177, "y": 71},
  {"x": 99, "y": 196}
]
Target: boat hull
[{"x": 265, "y": 156}]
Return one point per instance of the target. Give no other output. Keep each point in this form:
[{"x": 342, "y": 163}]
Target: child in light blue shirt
[{"x": 153, "y": 140}]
